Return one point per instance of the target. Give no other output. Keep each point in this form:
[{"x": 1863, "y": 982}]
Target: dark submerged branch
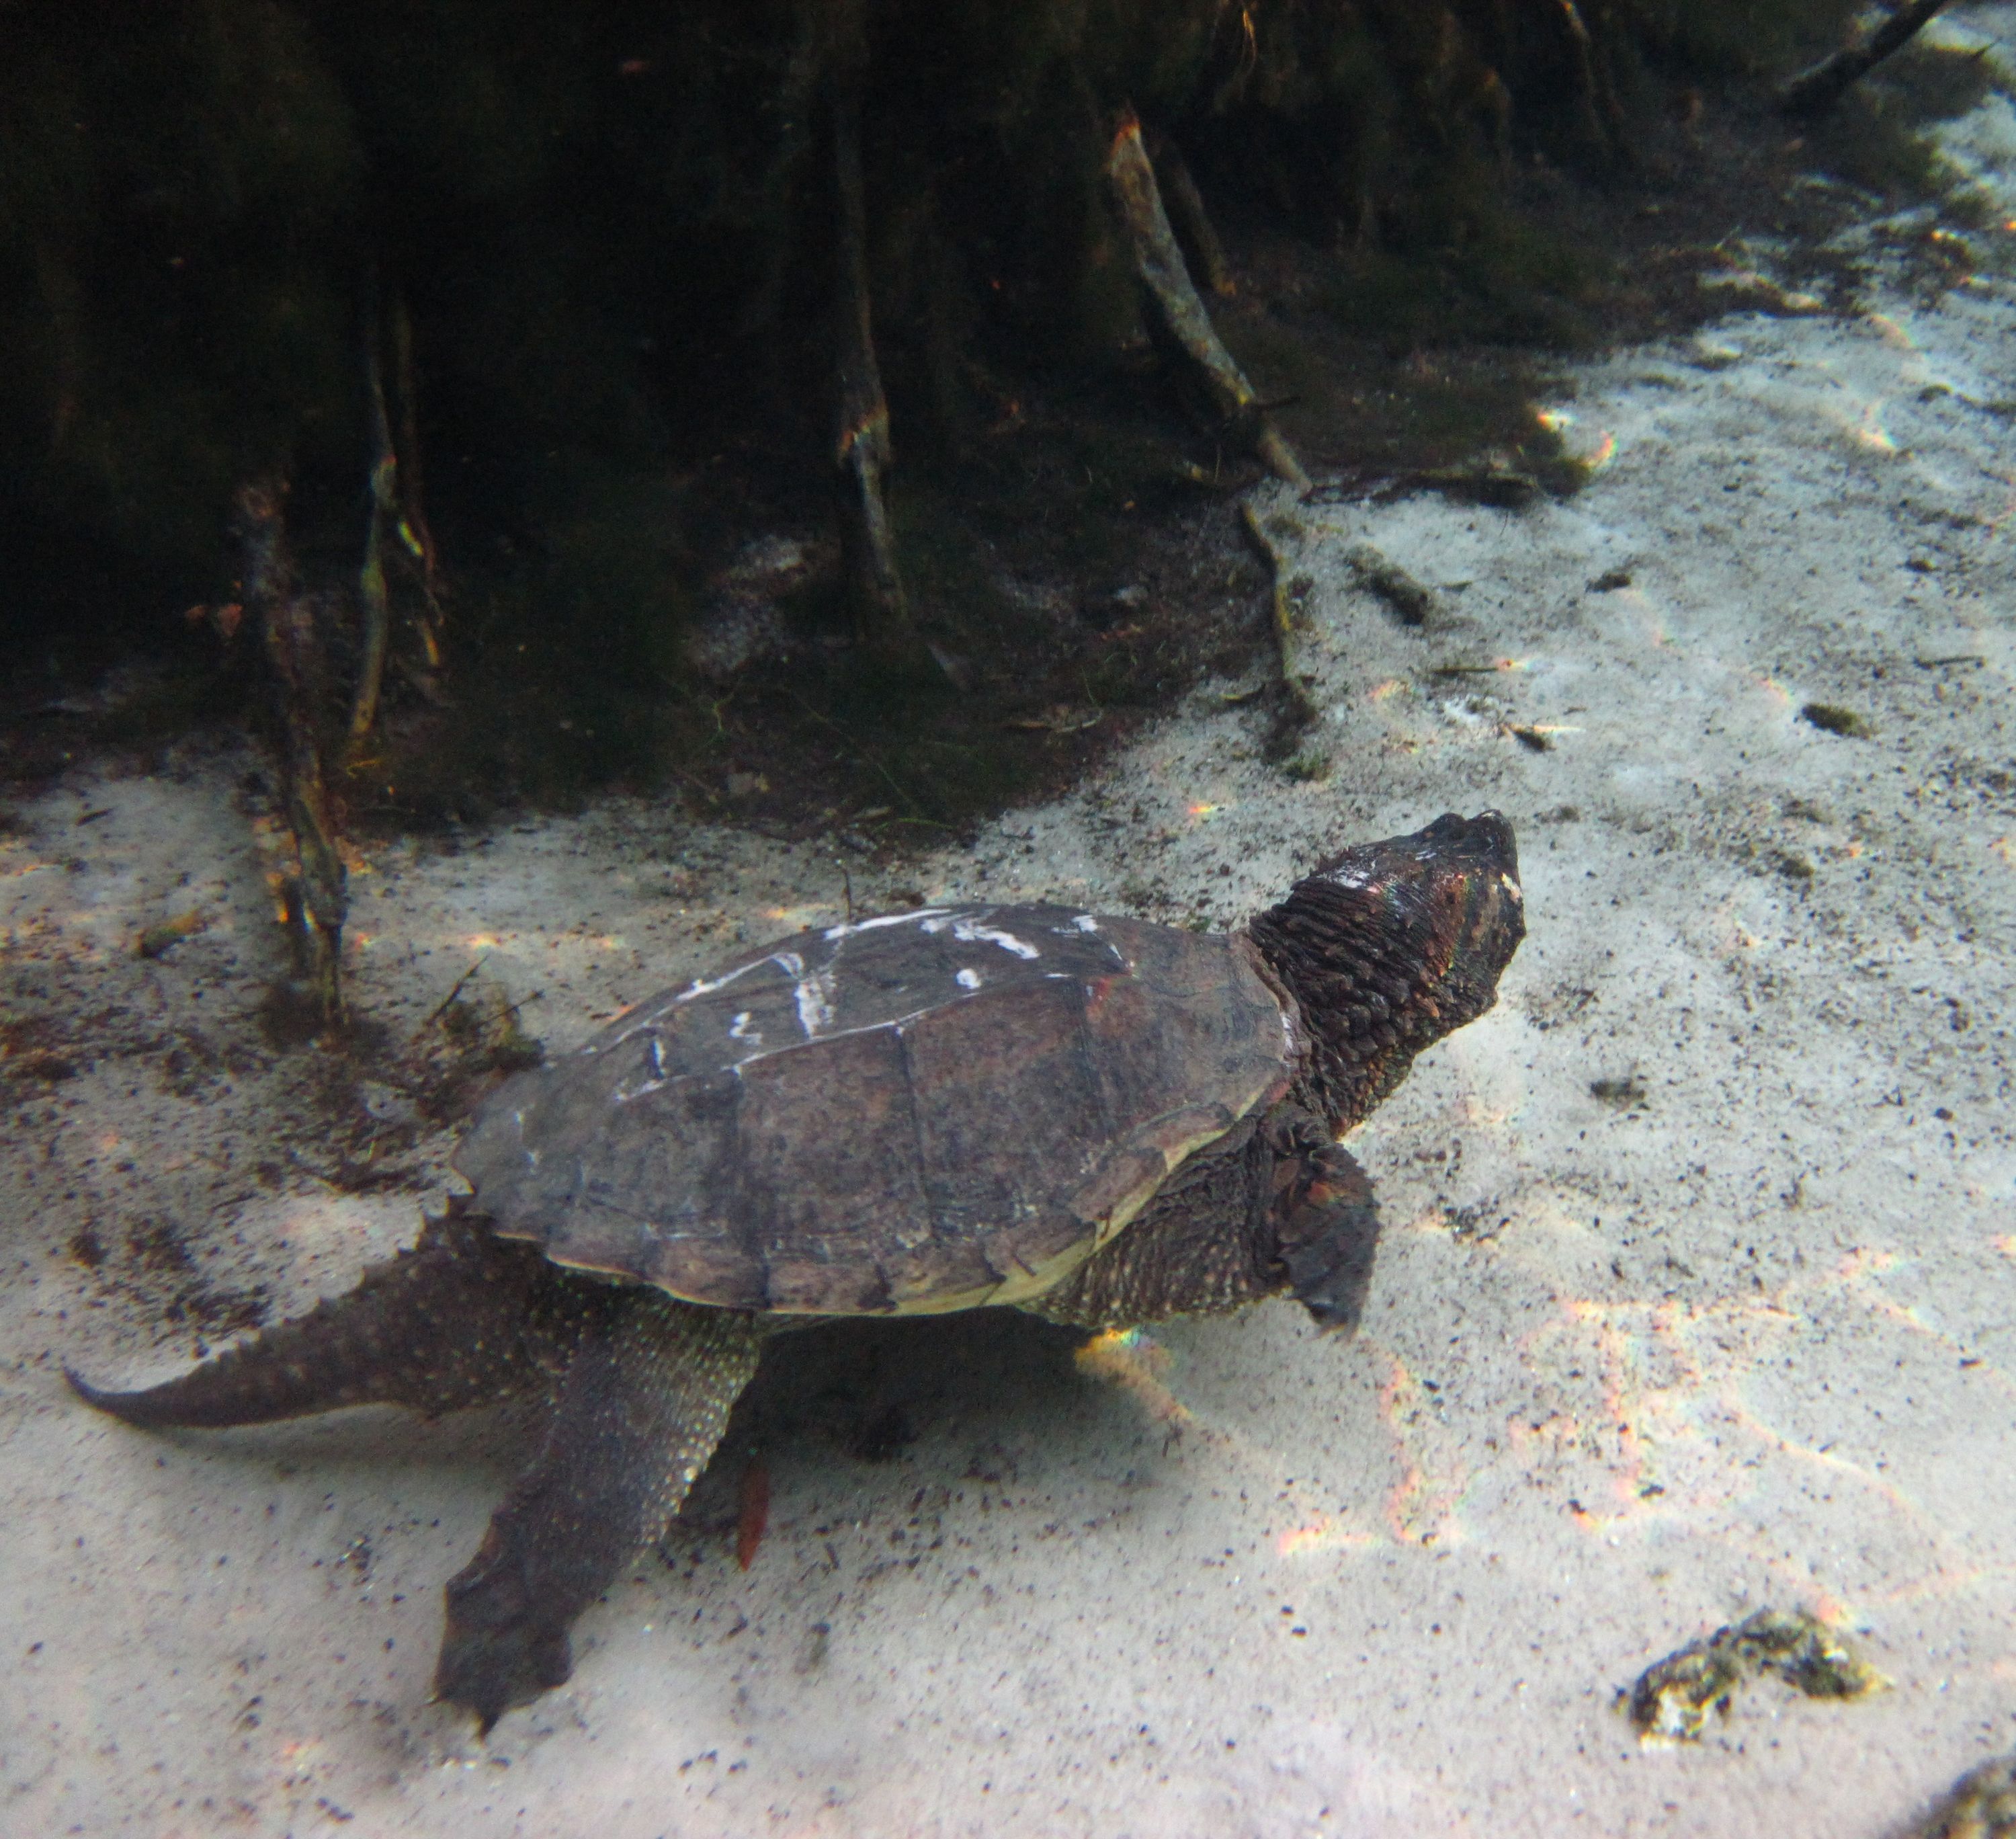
[
  {"x": 1820, "y": 89},
  {"x": 1298, "y": 709},
  {"x": 317, "y": 899},
  {"x": 1166, "y": 280},
  {"x": 861, "y": 448},
  {"x": 414, "y": 530},
  {"x": 1192, "y": 220},
  {"x": 384, "y": 500}
]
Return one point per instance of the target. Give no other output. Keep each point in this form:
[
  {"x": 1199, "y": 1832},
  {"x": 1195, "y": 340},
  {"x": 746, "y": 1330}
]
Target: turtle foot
[
  {"x": 497, "y": 1650},
  {"x": 1327, "y": 1234},
  {"x": 638, "y": 1413}
]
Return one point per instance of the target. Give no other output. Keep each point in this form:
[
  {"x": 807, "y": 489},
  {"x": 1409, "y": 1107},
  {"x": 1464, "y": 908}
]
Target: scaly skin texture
[
  {"x": 1382, "y": 952},
  {"x": 643, "y": 1403},
  {"x": 463, "y": 1318},
  {"x": 1389, "y": 947},
  {"x": 1276, "y": 1206},
  {"x": 637, "y": 1387}
]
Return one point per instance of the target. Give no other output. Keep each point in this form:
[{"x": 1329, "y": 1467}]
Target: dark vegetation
[{"x": 422, "y": 375}]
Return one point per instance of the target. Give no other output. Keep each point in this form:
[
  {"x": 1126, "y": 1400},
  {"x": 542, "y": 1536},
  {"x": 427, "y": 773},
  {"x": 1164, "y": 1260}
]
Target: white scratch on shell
[
  {"x": 742, "y": 1031},
  {"x": 707, "y": 985},
  {"x": 815, "y": 998},
  {"x": 971, "y": 932},
  {"x": 888, "y": 919},
  {"x": 968, "y": 979}
]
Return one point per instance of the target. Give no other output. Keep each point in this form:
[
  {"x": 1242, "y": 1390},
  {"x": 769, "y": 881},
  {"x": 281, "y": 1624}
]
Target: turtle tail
[{"x": 461, "y": 1319}]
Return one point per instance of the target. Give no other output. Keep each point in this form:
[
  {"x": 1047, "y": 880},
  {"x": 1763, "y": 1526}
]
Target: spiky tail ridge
[{"x": 462, "y": 1318}]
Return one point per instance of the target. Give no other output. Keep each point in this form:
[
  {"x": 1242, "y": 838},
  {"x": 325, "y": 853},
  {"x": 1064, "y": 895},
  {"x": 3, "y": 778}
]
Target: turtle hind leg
[
  {"x": 644, "y": 1401},
  {"x": 462, "y": 1318}
]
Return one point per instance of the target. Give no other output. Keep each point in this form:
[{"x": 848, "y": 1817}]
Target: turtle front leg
[
  {"x": 643, "y": 1403},
  {"x": 1275, "y": 1206},
  {"x": 1324, "y": 1220}
]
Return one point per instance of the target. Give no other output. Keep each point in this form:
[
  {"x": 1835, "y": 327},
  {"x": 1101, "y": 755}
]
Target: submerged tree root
[
  {"x": 1190, "y": 217},
  {"x": 1818, "y": 89},
  {"x": 384, "y": 501},
  {"x": 396, "y": 523},
  {"x": 1297, "y": 706},
  {"x": 950, "y": 208},
  {"x": 1166, "y": 279},
  {"x": 412, "y": 528},
  {"x": 1599, "y": 118},
  {"x": 861, "y": 448},
  {"x": 317, "y": 901}
]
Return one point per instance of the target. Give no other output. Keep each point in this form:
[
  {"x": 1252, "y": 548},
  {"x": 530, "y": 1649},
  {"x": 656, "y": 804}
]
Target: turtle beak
[{"x": 1479, "y": 855}]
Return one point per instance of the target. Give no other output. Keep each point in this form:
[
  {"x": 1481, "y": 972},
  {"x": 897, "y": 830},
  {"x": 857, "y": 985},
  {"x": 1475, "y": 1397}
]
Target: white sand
[{"x": 1629, "y": 1371}]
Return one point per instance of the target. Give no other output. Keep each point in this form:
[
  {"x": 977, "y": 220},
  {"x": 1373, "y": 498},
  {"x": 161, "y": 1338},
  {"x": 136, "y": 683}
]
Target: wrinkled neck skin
[{"x": 1380, "y": 969}]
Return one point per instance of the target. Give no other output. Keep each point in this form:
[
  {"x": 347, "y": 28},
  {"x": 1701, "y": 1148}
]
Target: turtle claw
[
  {"x": 496, "y": 1650},
  {"x": 1334, "y": 1295}
]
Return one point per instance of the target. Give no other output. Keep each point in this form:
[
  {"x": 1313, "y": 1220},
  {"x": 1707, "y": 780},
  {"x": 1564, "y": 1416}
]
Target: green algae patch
[
  {"x": 1831, "y": 718},
  {"x": 1671, "y": 1701}
]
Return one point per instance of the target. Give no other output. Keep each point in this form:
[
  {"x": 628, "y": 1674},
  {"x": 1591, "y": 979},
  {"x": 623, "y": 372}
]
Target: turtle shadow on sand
[
  {"x": 872, "y": 1393},
  {"x": 873, "y": 1389},
  {"x": 879, "y": 1407}
]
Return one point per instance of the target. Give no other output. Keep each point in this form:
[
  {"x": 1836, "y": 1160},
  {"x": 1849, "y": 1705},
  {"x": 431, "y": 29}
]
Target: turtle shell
[{"x": 930, "y": 1111}]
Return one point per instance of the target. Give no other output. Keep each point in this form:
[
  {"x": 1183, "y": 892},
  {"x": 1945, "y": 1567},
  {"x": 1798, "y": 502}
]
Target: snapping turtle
[{"x": 1099, "y": 1121}]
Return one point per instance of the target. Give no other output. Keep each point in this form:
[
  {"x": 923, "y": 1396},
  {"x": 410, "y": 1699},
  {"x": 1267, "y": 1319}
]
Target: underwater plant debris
[
  {"x": 1830, "y": 718},
  {"x": 1981, "y": 1804},
  {"x": 1671, "y": 1701}
]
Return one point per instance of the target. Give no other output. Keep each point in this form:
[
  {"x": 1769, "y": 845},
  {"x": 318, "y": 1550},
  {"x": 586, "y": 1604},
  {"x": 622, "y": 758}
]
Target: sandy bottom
[{"x": 1698, "y": 1291}]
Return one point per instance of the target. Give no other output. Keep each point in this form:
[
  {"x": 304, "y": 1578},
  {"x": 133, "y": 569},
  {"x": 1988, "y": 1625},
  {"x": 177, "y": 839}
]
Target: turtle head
[
  {"x": 1452, "y": 891},
  {"x": 1390, "y": 946}
]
